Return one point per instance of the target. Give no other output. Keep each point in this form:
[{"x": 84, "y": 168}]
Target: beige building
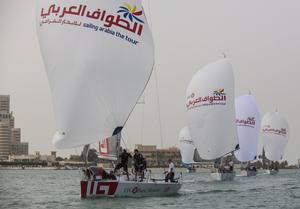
[
  {"x": 36, "y": 157},
  {"x": 10, "y": 137},
  {"x": 15, "y": 135},
  {"x": 4, "y": 103},
  {"x": 19, "y": 148},
  {"x": 159, "y": 157},
  {"x": 5, "y": 140}
]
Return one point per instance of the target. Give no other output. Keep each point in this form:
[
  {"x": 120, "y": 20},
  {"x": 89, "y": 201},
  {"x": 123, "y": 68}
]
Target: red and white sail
[
  {"x": 211, "y": 110},
  {"x": 186, "y": 145},
  {"x": 99, "y": 57},
  {"x": 275, "y": 132},
  {"x": 248, "y": 127}
]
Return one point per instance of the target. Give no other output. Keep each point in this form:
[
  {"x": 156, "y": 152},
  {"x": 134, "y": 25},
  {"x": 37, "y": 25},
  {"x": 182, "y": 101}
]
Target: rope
[{"x": 158, "y": 109}]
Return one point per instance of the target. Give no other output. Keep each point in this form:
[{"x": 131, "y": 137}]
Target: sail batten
[{"x": 99, "y": 56}]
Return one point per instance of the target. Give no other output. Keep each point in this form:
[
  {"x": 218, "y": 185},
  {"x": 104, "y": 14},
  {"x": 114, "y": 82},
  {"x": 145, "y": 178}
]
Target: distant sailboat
[
  {"x": 99, "y": 56},
  {"x": 211, "y": 113},
  {"x": 275, "y": 131},
  {"x": 248, "y": 128},
  {"x": 188, "y": 151}
]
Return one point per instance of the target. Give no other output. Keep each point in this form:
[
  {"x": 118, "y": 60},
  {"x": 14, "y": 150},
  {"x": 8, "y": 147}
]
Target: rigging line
[
  {"x": 158, "y": 108},
  {"x": 122, "y": 137},
  {"x": 156, "y": 79},
  {"x": 142, "y": 123}
]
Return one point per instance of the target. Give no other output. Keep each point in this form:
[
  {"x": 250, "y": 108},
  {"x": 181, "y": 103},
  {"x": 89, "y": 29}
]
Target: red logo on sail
[
  {"x": 129, "y": 20},
  {"x": 218, "y": 98},
  {"x": 270, "y": 130},
  {"x": 249, "y": 122}
]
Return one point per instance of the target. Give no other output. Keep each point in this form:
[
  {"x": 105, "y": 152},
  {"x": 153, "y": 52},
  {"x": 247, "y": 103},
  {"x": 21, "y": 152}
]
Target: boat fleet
[
  {"x": 222, "y": 128},
  {"x": 97, "y": 75}
]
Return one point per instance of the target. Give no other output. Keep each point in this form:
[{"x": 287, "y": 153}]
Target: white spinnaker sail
[
  {"x": 248, "y": 127},
  {"x": 211, "y": 110},
  {"x": 275, "y": 132},
  {"x": 99, "y": 56},
  {"x": 186, "y": 145}
]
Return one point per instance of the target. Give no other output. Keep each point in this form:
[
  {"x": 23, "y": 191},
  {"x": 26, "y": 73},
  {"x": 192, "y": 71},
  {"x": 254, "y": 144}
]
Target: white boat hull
[
  {"x": 115, "y": 188},
  {"x": 248, "y": 173},
  {"x": 223, "y": 176},
  {"x": 271, "y": 172}
]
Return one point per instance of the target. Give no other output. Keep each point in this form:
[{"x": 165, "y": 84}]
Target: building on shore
[
  {"x": 36, "y": 157},
  {"x": 10, "y": 137},
  {"x": 5, "y": 140},
  {"x": 159, "y": 157}
]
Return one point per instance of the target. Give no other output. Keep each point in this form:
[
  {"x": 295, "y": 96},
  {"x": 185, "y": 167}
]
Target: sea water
[{"x": 22, "y": 189}]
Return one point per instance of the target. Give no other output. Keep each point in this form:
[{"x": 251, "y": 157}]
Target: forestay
[
  {"x": 248, "y": 127},
  {"x": 99, "y": 57},
  {"x": 275, "y": 131},
  {"x": 211, "y": 111}
]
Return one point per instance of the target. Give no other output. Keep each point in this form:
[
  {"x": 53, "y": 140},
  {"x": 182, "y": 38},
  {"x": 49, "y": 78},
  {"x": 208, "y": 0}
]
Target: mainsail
[
  {"x": 99, "y": 56},
  {"x": 248, "y": 127},
  {"x": 211, "y": 111},
  {"x": 275, "y": 131}
]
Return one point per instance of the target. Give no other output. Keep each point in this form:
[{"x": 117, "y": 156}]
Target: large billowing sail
[
  {"x": 211, "y": 111},
  {"x": 275, "y": 131},
  {"x": 186, "y": 145},
  {"x": 99, "y": 57},
  {"x": 248, "y": 127}
]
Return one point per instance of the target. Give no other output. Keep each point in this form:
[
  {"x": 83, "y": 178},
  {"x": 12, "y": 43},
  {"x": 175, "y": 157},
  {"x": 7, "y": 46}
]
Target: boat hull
[
  {"x": 271, "y": 172},
  {"x": 247, "y": 173},
  {"x": 115, "y": 188},
  {"x": 223, "y": 176}
]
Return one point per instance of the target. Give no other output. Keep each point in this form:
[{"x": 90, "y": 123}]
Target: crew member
[
  {"x": 171, "y": 172},
  {"x": 139, "y": 164},
  {"x": 124, "y": 162}
]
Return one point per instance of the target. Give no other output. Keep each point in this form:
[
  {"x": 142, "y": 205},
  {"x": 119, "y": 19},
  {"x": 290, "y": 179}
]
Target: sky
[{"x": 260, "y": 38}]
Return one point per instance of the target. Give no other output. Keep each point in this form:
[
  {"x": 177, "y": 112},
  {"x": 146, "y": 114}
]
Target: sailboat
[
  {"x": 248, "y": 128},
  {"x": 275, "y": 132},
  {"x": 99, "y": 56},
  {"x": 188, "y": 151},
  {"x": 211, "y": 114}
]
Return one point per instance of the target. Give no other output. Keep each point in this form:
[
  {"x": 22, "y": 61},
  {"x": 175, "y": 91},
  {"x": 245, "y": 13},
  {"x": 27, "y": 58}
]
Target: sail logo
[
  {"x": 249, "y": 122},
  {"x": 131, "y": 13},
  {"x": 218, "y": 98},
  {"x": 126, "y": 17},
  {"x": 186, "y": 141},
  {"x": 267, "y": 129}
]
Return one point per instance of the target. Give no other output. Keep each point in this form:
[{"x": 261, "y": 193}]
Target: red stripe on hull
[{"x": 83, "y": 185}]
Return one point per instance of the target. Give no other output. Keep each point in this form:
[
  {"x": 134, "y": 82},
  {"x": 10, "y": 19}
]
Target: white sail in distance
[
  {"x": 211, "y": 110},
  {"x": 186, "y": 145},
  {"x": 99, "y": 56},
  {"x": 275, "y": 133},
  {"x": 248, "y": 127}
]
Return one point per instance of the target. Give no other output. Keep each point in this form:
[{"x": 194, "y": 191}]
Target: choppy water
[{"x": 60, "y": 189}]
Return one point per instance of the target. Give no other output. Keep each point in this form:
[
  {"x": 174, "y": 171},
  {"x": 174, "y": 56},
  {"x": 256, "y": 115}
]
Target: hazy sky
[{"x": 260, "y": 37}]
